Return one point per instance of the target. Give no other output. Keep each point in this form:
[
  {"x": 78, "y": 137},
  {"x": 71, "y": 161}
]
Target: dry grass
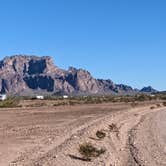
[{"x": 113, "y": 128}]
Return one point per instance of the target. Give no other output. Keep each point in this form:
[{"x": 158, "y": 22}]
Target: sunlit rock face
[{"x": 21, "y": 74}]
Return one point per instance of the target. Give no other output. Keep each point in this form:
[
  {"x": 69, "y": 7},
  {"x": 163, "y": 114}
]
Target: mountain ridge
[{"x": 29, "y": 74}]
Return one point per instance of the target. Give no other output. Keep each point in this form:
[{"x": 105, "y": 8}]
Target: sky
[{"x": 122, "y": 40}]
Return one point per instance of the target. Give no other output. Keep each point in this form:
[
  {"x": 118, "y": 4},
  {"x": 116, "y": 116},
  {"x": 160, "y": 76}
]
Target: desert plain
[{"x": 46, "y": 135}]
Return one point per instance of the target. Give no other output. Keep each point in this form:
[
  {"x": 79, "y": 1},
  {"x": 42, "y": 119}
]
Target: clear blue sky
[{"x": 124, "y": 40}]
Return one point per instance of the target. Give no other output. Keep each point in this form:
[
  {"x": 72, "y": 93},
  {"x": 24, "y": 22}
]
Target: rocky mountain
[
  {"x": 148, "y": 89},
  {"x": 25, "y": 75}
]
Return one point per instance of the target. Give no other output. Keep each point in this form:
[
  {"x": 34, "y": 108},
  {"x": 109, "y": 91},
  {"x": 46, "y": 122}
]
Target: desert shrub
[
  {"x": 164, "y": 103},
  {"x": 9, "y": 103},
  {"x": 87, "y": 150},
  {"x": 134, "y": 104},
  {"x": 108, "y": 98},
  {"x": 73, "y": 102},
  {"x": 141, "y": 98},
  {"x": 113, "y": 128},
  {"x": 60, "y": 104},
  {"x": 100, "y": 134},
  {"x": 22, "y": 98},
  {"x": 161, "y": 96},
  {"x": 158, "y": 105},
  {"x": 37, "y": 105},
  {"x": 124, "y": 99},
  {"x": 152, "y": 107}
]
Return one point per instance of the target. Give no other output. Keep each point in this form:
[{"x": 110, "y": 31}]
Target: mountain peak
[{"x": 148, "y": 89}]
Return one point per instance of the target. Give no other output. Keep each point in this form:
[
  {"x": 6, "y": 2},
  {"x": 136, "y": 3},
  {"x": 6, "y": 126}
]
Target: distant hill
[
  {"x": 148, "y": 89},
  {"x": 27, "y": 75}
]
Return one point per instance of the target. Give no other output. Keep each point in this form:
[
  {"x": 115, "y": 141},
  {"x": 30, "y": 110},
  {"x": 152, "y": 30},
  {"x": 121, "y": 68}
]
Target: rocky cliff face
[{"x": 31, "y": 74}]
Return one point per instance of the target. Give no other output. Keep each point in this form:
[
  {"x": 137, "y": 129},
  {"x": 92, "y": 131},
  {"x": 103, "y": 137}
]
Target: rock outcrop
[{"x": 26, "y": 75}]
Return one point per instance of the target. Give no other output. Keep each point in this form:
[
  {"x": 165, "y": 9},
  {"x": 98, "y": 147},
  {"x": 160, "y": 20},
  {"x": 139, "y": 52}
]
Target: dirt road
[{"x": 50, "y": 136}]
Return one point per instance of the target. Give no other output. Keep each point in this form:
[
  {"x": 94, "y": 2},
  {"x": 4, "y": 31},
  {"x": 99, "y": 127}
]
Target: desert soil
[{"x": 50, "y": 136}]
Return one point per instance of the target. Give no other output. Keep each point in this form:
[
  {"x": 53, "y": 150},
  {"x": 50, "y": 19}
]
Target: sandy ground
[{"x": 50, "y": 136}]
